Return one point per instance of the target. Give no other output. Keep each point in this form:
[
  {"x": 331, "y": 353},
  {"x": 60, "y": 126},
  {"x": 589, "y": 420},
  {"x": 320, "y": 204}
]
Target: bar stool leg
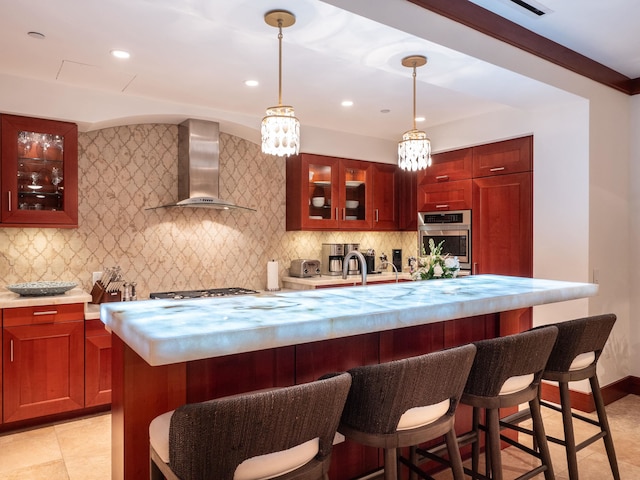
[
  {"x": 390, "y": 464},
  {"x": 493, "y": 442},
  {"x": 475, "y": 446},
  {"x": 604, "y": 425},
  {"x": 569, "y": 437},
  {"x": 454, "y": 455},
  {"x": 540, "y": 438}
]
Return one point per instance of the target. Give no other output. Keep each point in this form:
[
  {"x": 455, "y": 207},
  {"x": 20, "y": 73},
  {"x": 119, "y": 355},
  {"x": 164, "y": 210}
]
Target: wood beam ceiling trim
[{"x": 484, "y": 21}]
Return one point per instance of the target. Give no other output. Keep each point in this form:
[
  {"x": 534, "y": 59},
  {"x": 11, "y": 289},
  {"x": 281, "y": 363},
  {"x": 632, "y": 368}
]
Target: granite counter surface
[
  {"x": 170, "y": 331},
  {"x": 9, "y": 299}
]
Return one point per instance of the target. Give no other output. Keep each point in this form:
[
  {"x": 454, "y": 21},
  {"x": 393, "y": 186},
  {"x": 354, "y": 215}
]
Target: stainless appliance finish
[
  {"x": 453, "y": 227},
  {"x": 303, "y": 268},
  {"x": 332, "y": 255},
  {"x": 354, "y": 261},
  {"x": 211, "y": 292},
  {"x": 199, "y": 166}
]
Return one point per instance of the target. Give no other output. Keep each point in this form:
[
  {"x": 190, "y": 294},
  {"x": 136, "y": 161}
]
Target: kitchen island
[{"x": 167, "y": 353}]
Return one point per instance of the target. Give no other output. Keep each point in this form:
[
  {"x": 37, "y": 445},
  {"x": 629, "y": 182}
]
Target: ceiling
[{"x": 190, "y": 58}]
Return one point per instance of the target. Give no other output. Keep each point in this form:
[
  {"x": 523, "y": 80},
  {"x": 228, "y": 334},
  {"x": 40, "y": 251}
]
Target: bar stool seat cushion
[
  {"x": 420, "y": 416},
  {"x": 261, "y": 467},
  {"x": 516, "y": 383},
  {"x": 583, "y": 360}
]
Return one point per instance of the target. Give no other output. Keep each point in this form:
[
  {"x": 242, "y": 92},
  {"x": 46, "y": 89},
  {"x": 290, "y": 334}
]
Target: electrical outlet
[{"x": 95, "y": 277}]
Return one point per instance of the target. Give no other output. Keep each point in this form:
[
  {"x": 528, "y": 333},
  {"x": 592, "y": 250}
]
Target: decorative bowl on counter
[{"x": 40, "y": 289}]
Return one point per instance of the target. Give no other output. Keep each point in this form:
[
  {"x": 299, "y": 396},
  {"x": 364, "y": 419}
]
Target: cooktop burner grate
[{"x": 212, "y": 292}]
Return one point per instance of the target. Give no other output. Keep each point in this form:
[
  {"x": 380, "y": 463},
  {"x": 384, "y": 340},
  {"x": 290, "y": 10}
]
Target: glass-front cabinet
[
  {"x": 327, "y": 193},
  {"x": 39, "y": 172}
]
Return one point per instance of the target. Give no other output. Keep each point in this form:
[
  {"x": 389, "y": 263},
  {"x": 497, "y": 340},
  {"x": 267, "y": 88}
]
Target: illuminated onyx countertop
[{"x": 171, "y": 331}]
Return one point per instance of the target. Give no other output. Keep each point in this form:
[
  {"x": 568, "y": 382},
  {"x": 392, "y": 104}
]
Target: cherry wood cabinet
[
  {"x": 43, "y": 360},
  {"x": 448, "y": 167},
  {"x": 436, "y": 197},
  {"x": 407, "y": 195},
  {"x": 39, "y": 173},
  {"x": 97, "y": 364},
  {"x": 329, "y": 193},
  {"x": 385, "y": 201},
  {"x": 502, "y": 219},
  {"x": 503, "y": 158}
]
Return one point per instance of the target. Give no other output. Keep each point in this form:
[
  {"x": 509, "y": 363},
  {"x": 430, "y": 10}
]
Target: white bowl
[
  {"x": 352, "y": 203},
  {"x": 317, "y": 201}
]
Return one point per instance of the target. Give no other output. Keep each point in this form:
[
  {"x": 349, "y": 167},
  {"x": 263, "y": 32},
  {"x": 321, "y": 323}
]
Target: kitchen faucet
[
  {"x": 385, "y": 262},
  {"x": 363, "y": 265}
]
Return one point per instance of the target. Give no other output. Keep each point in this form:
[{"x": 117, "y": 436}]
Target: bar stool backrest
[
  {"x": 579, "y": 336},
  {"x": 210, "y": 439},
  {"x": 381, "y": 393},
  {"x": 499, "y": 359}
]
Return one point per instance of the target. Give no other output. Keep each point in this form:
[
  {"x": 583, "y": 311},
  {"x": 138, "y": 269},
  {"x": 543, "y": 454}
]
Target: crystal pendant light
[
  {"x": 414, "y": 151},
  {"x": 280, "y": 127}
]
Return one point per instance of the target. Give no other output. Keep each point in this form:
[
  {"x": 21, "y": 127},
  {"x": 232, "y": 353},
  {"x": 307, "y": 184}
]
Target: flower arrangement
[{"x": 436, "y": 265}]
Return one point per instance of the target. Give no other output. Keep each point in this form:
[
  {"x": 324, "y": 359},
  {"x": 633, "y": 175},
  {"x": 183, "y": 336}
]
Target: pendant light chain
[
  {"x": 414, "y": 95},
  {"x": 279, "y": 61}
]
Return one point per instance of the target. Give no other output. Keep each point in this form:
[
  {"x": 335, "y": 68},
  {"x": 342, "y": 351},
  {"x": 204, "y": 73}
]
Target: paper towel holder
[{"x": 273, "y": 272}]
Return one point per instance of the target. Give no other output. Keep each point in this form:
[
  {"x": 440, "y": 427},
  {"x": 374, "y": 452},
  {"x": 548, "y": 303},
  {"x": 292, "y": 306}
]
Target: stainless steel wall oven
[{"x": 454, "y": 228}]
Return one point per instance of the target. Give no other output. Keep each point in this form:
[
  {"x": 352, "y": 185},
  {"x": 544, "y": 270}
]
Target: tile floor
[{"x": 81, "y": 449}]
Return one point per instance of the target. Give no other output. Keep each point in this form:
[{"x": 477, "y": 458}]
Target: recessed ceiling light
[
  {"x": 251, "y": 83},
  {"x": 120, "y": 53},
  {"x": 420, "y": 119},
  {"x": 347, "y": 103},
  {"x": 37, "y": 35}
]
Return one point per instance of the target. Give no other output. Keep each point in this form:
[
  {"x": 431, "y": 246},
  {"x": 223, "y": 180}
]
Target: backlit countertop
[{"x": 170, "y": 331}]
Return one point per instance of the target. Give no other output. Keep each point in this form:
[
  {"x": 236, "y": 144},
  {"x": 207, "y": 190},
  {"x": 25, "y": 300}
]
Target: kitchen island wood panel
[{"x": 329, "y": 329}]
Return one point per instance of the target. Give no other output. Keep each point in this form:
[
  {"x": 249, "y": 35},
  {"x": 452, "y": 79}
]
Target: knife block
[{"x": 100, "y": 295}]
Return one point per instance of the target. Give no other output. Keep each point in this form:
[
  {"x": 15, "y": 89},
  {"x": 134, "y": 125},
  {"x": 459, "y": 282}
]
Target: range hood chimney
[{"x": 199, "y": 167}]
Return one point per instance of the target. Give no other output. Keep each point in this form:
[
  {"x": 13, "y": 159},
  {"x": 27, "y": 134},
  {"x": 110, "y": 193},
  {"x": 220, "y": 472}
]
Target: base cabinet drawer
[{"x": 43, "y": 369}]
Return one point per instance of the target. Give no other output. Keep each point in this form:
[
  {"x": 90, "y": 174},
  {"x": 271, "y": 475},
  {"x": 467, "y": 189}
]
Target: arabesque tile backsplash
[{"x": 125, "y": 170}]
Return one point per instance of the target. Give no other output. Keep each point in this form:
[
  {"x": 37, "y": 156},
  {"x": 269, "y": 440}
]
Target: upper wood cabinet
[
  {"x": 442, "y": 197},
  {"x": 503, "y": 158},
  {"x": 329, "y": 193},
  {"x": 448, "y": 167},
  {"x": 385, "y": 199},
  {"x": 39, "y": 174},
  {"x": 406, "y": 196}
]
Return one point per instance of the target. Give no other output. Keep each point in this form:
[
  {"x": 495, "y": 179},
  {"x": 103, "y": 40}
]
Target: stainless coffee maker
[
  {"x": 354, "y": 263},
  {"x": 332, "y": 255}
]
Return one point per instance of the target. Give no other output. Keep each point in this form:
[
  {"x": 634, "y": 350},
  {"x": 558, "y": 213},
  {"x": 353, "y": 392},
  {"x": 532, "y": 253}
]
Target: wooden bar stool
[
  {"x": 284, "y": 433},
  {"x": 407, "y": 402},
  {"x": 573, "y": 358},
  {"x": 506, "y": 372}
]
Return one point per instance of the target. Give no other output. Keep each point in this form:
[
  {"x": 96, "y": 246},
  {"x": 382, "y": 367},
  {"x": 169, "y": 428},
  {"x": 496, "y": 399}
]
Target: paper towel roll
[{"x": 272, "y": 276}]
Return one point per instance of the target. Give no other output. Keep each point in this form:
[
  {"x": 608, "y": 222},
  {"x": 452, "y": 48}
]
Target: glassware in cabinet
[{"x": 39, "y": 172}]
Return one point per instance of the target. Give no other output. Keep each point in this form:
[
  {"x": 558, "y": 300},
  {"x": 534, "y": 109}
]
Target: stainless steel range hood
[{"x": 199, "y": 167}]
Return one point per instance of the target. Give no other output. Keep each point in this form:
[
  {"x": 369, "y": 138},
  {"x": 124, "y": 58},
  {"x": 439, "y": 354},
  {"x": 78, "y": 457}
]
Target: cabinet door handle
[
  {"x": 11, "y": 343},
  {"x": 336, "y": 213},
  {"x": 45, "y": 312},
  {"x": 442, "y": 206},
  {"x": 344, "y": 214},
  {"x": 442, "y": 177},
  {"x": 496, "y": 169},
  {"x": 475, "y": 268},
  {"x": 9, "y": 196},
  {"x": 377, "y": 216}
]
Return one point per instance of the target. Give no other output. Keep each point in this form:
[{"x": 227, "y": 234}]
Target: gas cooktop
[{"x": 212, "y": 292}]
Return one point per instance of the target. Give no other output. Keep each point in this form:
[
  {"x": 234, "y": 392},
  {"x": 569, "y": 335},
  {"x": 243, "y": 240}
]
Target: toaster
[{"x": 301, "y": 267}]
